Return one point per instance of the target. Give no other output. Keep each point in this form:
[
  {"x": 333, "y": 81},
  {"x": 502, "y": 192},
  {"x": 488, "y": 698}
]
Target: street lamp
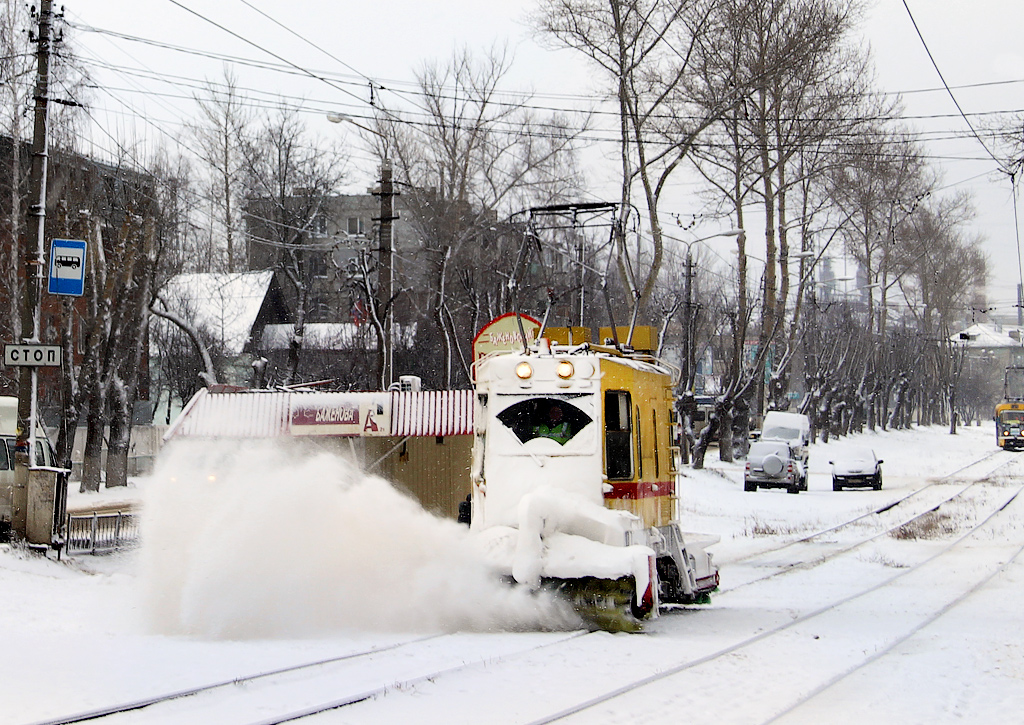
[{"x": 385, "y": 250}]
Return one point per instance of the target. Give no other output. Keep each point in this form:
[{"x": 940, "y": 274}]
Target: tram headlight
[
  {"x": 564, "y": 370},
  {"x": 524, "y": 371}
]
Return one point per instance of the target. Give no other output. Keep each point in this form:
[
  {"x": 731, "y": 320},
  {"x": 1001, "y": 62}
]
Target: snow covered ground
[{"x": 283, "y": 563}]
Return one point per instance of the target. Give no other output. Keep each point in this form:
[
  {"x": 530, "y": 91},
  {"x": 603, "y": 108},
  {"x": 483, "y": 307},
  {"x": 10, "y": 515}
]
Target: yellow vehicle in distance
[{"x": 1010, "y": 412}]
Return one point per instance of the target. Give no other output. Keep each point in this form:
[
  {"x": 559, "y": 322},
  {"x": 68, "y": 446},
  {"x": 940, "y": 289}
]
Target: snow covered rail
[
  {"x": 918, "y": 502},
  {"x": 821, "y": 547},
  {"x": 327, "y": 684},
  {"x": 801, "y": 633},
  {"x": 99, "y": 533},
  {"x": 917, "y": 628},
  {"x": 166, "y": 697},
  {"x": 984, "y": 467}
]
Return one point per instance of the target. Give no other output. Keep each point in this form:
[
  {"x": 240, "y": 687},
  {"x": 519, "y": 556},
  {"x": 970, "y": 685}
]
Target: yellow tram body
[
  {"x": 644, "y": 484},
  {"x": 1010, "y": 425}
]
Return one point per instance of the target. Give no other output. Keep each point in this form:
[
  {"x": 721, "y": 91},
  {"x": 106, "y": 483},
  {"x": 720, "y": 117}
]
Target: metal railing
[{"x": 101, "y": 533}]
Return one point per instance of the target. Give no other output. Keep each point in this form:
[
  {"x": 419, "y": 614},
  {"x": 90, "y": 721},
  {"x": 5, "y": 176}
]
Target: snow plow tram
[{"x": 574, "y": 469}]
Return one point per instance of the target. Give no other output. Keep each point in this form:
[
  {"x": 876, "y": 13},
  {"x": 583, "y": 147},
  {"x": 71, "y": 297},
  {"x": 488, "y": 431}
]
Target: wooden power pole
[
  {"x": 385, "y": 271},
  {"x": 34, "y": 271}
]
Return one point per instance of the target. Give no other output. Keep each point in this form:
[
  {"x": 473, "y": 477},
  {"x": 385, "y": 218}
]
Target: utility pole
[
  {"x": 386, "y": 274},
  {"x": 34, "y": 269},
  {"x": 691, "y": 362}
]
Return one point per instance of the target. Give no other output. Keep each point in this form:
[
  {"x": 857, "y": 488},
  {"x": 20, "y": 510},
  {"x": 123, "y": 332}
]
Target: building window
[
  {"x": 355, "y": 225},
  {"x": 319, "y": 225},
  {"x": 318, "y": 264}
]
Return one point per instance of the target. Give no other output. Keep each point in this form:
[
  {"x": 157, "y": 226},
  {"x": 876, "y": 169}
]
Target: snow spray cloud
[{"x": 247, "y": 540}]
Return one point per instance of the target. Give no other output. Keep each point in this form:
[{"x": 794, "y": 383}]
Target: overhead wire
[
  {"x": 517, "y": 98},
  {"x": 1001, "y": 164},
  {"x": 322, "y": 77}
]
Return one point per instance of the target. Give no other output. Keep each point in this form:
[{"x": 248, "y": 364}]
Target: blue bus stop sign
[{"x": 67, "y": 267}]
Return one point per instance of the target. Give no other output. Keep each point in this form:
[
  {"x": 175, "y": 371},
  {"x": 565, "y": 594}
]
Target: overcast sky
[{"x": 976, "y": 46}]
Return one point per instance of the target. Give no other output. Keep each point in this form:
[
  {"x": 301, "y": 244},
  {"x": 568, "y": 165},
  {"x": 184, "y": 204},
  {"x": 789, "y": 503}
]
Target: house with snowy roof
[
  {"x": 226, "y": 314},
  {"x": 1000, "y": 343},
  {"x": 244, "y": 322}
]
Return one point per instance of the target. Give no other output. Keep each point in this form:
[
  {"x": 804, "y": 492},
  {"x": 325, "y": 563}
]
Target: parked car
[
  {"x": 8, "y": 439},
  {"x": 856, "y": 466},
  {"x": 774, "y": 464},
  {"x": 794, "y": 428}
]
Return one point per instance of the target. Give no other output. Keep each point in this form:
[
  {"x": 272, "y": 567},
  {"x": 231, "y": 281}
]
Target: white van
[
  {"x": 8, "y": 436},
  {"x": 793, "y": 428}
]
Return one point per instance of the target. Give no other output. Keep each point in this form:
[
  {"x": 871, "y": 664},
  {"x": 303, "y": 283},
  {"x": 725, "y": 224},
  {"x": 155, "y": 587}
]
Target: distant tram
[{"x": 1010, "y": 412}]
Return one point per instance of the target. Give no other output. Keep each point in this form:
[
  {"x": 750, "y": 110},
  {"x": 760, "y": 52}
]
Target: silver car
[
  {"x": 774, "y": 464},
  {"x": 856, "y": 466}
]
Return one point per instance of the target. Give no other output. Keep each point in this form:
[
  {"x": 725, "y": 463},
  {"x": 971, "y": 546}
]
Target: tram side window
[
  {"x": 654, "y": 429},
  {"x": 40, "y": 453},
  {"x": 618, "y": 436}
]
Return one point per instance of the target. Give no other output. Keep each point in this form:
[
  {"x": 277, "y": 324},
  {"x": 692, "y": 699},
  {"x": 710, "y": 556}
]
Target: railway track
[
  {"x": 822, "y": 547},
  {"x": 615, "y": 675},
  {"x": 834, "y": 620},
  {"x": 142, "y": 703},
  {"x": 282, "y": 688},
  {"x": 933, "y": 494},
  {"x": 694, "y": 681},
  {"x": 770, "y": 680}
]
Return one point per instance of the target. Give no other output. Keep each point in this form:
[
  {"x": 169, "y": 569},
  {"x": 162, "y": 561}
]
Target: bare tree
[
  {"x": 115, "y": 337},
  {"x": 943, "y": 264},
  {"x": 805, "y": 83},
  {"x": 289, "y": 179},
  {"x": 879, "y": 184},
  {"x": 650, "y": 51},
  {"x": 17, "y": 71},
  {"x": 219, "y": 136},
  {"x": 475, "y": 158}
]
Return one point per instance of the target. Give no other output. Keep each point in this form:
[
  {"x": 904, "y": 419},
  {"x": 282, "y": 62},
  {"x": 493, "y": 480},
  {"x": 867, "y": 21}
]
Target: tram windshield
[
  {"x": 551, "y": 418},
  {"x": 1011, "y": 417}
]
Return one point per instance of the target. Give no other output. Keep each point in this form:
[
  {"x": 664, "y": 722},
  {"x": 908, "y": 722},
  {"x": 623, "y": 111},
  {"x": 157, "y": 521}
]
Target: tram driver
[{"x": 556, "y": 427}]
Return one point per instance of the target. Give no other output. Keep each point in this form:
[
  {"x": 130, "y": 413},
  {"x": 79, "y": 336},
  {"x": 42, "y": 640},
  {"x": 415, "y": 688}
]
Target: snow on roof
[
  {"x": 269, "y": 414},
  {"x": 330, "y": 336},
  {"x": 319, "y": 336},
  {"x": 988, "y": 336},
  {"x": 224, "y": 305}
]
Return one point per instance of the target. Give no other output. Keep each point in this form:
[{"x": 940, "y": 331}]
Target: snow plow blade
[{"x": 604, "y": 604}]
